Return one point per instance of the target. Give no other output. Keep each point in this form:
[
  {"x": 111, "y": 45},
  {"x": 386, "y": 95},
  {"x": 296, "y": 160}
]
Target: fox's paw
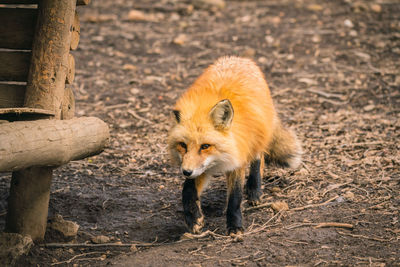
[
  {"x": 253, "y": 197},
  {"x": 197, "y": 225},
  {"x": 236, "y": 234}
]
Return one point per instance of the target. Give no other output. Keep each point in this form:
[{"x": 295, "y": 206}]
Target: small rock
[
  {"x": 100, "y": 239},
  {"x": 314, "y": 7},
  {"x": 349, "y": 196},
  {"x": 269, "y": 39},
  {"x": 249, "y": 52},
  {"x": 353, "y": 33},
  {"x": 262, "y": 60},
  {"x": 137, "y": 15},
  {"x": 13, "y": 246},
  {"x": 129, "y": 67},
  {"x": 348, "y": 23},
  {"x": 181, "y": 39},
  {"x": 279, "y": 206},
  {"x": 58, "y": 228},
  {"x": 316, "y": 39},
  {"x": 209, "y": 4},
  {"x": 369, "y": 107},
  {"x": 376, "y": 8}
]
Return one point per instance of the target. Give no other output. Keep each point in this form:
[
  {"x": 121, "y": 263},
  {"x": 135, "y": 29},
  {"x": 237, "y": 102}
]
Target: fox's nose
[{"x": 187, "y": 173}]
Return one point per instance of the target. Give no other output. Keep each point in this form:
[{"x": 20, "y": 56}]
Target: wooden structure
[{"x": 38, "y": 131}]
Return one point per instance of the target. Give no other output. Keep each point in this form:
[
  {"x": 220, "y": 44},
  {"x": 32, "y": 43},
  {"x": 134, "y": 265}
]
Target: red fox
[{"x": 225, "y": 121}]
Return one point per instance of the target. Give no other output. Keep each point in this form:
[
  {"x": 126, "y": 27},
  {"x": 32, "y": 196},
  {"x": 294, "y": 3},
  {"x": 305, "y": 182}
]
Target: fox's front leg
[
  {"x": 192, "y": 189},
  {"x": 234, "y": 212},
  {"x": 253, "y": 185}
]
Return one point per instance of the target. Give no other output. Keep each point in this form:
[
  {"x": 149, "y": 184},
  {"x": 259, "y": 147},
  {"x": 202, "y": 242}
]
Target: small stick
[
  {"x": 76, "y": 256},
  {"x": 68, "y": 245},
  {"x": 367, "y": 237},
  {"x": 334, "y": 224},
  {"x": 314, "y": 205},
  {"x": 264, "y": 205},
  {"x": 137, "y": 116},
  {"x": 186, "y": 236}
]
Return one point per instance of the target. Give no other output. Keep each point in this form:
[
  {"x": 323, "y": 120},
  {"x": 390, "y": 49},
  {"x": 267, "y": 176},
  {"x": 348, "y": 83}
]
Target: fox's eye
[
  {"x": 204, "y": 146},
  {"x": 183, "y": 145}
]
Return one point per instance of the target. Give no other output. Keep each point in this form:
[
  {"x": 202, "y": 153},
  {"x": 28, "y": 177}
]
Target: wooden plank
[
  {"x": 12, "y": 95},
  {"x": 14, "y": 65},
  {"x": 33, "y": 2},
  {"x": 17, "y": 26}
]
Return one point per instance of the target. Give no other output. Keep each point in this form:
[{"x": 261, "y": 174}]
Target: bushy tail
[{"x": 285, "y": 149}]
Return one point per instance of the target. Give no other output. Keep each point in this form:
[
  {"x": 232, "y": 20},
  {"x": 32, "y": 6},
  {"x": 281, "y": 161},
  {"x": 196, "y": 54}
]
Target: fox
[{"x": 223, "y": 123}]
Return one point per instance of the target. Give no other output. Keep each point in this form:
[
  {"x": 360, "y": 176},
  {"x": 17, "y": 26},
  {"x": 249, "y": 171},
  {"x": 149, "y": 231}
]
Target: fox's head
[{"x": 201, "y": 141}]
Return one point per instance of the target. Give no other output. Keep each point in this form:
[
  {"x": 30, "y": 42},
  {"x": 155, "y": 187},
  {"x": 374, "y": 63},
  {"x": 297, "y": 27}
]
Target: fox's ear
[
  {"x": 177, "y": 115},
  {"x": 222, "y": 114}
]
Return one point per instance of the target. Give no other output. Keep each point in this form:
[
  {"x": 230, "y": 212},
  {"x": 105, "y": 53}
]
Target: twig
[
  {"x": 325, "y": 94},
  {"x": 366, "y": 237},
  {"x": 263, "y": 226},
  {"x": 334, "y": 224},
  {"x": 189, "y": 236},
  {"x": 264, "y": 205},
  {"x": 137, "y": 116},
  {"x": 84, "y": 245},
  {"x": 75, "y": 257},
  {"x": 321, "y": 225},
  {"x": 314, "y": 205}
]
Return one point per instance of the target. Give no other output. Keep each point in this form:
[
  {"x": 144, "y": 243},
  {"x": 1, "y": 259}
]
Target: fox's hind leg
[
  {"x": 233, "y": 212},
  {"x": 192, "y": 189},
  {"x": 253, "y": 185}
]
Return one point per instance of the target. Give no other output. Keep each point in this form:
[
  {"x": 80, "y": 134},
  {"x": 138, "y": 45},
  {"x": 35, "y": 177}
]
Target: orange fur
[{"x": 254, "y": 119}]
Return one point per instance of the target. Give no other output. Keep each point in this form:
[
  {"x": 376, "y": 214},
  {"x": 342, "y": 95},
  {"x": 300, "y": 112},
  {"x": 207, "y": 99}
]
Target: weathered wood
[
  {"x": 33, "y": 2},
  {"x": 14, "y": 65},
  {"x": 12, "y": 95},
  {"x": 68, "y": 104},
  {"x": 17, "y": 26},
  {"x": 71, "y": 70},
  {"x": 50, "y": 142},
  {"x": 23, "y": 110},
  {"x": 45, "y": 89},
  {"x": 50, "y": 50},
  {"x": 75, "y": 32},
  {"x": 28, "y": 202}
]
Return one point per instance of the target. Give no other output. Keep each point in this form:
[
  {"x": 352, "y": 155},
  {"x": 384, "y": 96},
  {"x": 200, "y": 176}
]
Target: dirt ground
[{"x": 334, "y": 72}]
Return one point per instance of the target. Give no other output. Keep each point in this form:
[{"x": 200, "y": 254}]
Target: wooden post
[
  {"x": 50, "y": 50},
  {"x": 29, "y": 201},
  {"x": 45, "y": 89}
]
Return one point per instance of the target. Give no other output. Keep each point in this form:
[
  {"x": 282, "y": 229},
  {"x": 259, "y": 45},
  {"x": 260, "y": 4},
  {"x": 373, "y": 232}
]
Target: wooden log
[
  {"x": 14, "y": 65},
  {"x": 33, "y": 2},
  {"x": 68, "y": 105},
  {"x": 71, "y": 70},
  {"x": 28, "y": 202},
  {"x": 17, "y": 26},
  {"x": 50, "y": 142},
  {"x": 75, "y": 32},
  {"x": 12, "y": 95},
  {"x": 50, "y": 50}
]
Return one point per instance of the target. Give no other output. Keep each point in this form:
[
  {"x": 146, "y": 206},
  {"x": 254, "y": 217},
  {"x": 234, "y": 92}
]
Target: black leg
[
  {"x": 191, "y": 206},
  {"x": 253, "y": 185},
  {"x": 233, "y": 212}
]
